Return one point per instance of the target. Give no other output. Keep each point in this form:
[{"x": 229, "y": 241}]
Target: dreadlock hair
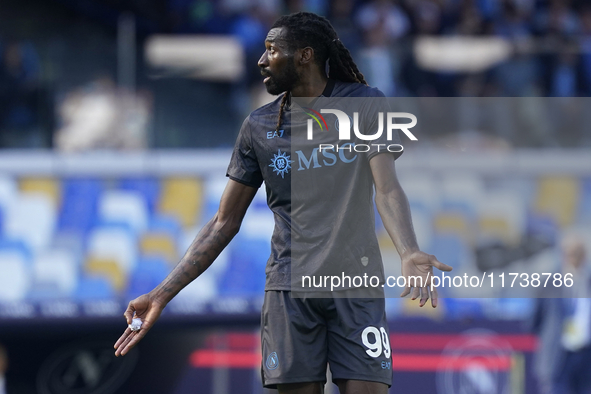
[{"x": 306, "y": 29}]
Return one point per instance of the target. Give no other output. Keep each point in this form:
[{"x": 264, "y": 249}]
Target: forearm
[
  {"x": 394, "y": 210},
  {"x": 204, "y": 249}
]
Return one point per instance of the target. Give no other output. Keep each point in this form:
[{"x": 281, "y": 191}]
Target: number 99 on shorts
[{"x": 376, "y": 341}]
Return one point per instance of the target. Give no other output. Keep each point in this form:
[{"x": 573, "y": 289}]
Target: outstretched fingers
[
  {"x": 416, "y": 292},
  {"x": 424, "y": 296},
  {"x": 128, "y": 334},
  {"x": 122, "y": 347},
  {"x": 122, "y": 338},
  {"x": 434, "y": 297},
  {"x": 406, "y": 291},
  {"x": 129, "y": 341}
]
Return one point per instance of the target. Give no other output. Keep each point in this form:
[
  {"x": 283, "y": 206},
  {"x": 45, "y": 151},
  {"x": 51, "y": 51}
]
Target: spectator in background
[
  {"x": 250, "y": 28},
  {"x": 198, "y": 16},
  {"x": 427, "y": 17},
  {"x": 585, "y": 47},
  {"x": 3, "y": 368},
  {"x": 514, "y": 21},
  {"x": 427, "y": 20},
  {"x": 466, "y": 19},
  {"x": 557, "y": 26},
  {"x": 518, "y": 76},
  {"x": 292, "y": 6},
  {"x": 19, "y": 89},
  {"x": 382, "y": 23},
  {"x": 563, "y": 324},
  {"x": 557, "y": 19},
  {"x": 563, "y": 71},
  {"x": 471, "y": 22},
  {"x": 341, "y": 15},
  {"x": 377, "y": 59},
  {"x": 387, "y": 13}
]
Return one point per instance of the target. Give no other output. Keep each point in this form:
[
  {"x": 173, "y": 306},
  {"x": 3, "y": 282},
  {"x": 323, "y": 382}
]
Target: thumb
[
  {"x": 129, "y": 313},
  {"x": 439, "y": 265}
]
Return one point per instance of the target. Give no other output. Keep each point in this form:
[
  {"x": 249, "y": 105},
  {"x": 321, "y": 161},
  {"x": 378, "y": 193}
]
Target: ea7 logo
[{"x": 345, "y": 125}]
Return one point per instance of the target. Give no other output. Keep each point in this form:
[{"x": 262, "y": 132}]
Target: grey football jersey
[{"x": 321, "y": 200}]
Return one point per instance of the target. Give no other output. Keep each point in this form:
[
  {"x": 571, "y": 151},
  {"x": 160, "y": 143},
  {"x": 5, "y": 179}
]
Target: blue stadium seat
[
  {"x": 212, "y": 194},
  {"x": 463, "y": 207},
  {"x": 147, "y": 186},
  {"x": 460, "y": 308},
  {"x": 245, "y": 275},
  {"x": 511, "y": 308},
  {"x": 422, "y": 218},
  {"x": 165, "y": 224},
  {"x": 449, "y": 249},
  {"x": 542, "y": 226},
  {"x": 79, "y": 203},
  {"x": 113, "y": 225},
  {"x": 147, "y": 275},
  {"x": 97, "y": 288},
  {"x": 17, "y": 246},
  {"x": 584, "y": 214}
]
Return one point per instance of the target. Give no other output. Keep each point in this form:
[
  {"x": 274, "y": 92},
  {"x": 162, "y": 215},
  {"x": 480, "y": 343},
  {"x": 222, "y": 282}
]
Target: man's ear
[{"x": 306, "y": 56}]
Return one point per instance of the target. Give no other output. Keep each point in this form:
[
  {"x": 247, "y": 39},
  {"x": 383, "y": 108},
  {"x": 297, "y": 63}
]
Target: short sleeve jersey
[{"x": 262, "y": 154}]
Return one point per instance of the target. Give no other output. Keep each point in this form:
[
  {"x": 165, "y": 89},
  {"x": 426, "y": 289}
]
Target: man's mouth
[{"x": 266, "y": 79}]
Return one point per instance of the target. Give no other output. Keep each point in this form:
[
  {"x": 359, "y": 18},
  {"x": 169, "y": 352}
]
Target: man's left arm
[{"x": 394, "y": 210}]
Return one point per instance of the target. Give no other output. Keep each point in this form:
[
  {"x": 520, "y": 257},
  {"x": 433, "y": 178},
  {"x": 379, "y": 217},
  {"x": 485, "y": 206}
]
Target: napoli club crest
[{"x": 272, "y": 361}]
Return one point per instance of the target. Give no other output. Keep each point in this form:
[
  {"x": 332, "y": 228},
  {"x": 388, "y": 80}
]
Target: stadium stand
[{"x": 113, "y": 238}]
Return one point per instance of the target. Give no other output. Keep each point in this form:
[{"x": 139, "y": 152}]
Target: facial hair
[{"x": 283, "y": 81}]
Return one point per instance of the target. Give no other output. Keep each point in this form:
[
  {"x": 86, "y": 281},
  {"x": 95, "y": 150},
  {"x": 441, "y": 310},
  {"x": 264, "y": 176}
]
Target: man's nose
[{"x": 264, "y": 60}]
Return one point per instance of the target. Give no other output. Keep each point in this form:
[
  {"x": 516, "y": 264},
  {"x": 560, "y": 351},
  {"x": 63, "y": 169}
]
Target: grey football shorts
[{"x": 300, "y": 336}]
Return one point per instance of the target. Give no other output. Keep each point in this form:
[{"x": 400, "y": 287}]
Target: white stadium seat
[
  {"x": 8, "y": 191},
  {"x": 56, "y": 270},
  {"x": 115, "y": 244},
  {"x": 32, "y": 219},
  {"x": 124, "y": 206},
  {"x": 15, "y": 276}
]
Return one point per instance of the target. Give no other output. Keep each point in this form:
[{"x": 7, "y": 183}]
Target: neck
[{"x": 310, "y": 87}]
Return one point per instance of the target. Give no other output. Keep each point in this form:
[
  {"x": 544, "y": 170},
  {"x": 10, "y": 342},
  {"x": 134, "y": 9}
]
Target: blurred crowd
[
  {"x": 19, "y": 91},
  {"x": 551, "y": 40},
  {"x": 549, "y": 54}
]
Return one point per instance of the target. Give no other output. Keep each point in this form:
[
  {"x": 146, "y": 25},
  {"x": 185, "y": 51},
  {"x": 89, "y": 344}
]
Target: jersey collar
[
  {"x": 327, "y": 92},
  {"x": 328, "y": 88}
]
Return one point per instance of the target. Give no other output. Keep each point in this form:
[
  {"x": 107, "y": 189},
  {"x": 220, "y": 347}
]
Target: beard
[{"x": 284, "y": 81}]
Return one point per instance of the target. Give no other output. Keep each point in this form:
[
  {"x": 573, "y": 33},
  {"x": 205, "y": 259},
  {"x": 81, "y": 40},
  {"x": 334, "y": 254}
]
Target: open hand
[
  {"x": 145, "y": 308},
  {"x": 417, "y": 269}
]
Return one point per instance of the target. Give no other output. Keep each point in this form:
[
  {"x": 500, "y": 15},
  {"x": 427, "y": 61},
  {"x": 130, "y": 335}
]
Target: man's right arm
[
  {"x": 210, "y": 241},
  {"x": 206, "y": 247}
]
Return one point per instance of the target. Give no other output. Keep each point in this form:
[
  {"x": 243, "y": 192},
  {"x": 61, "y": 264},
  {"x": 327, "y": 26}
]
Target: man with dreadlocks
[{"x": 300, "y": 336}]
